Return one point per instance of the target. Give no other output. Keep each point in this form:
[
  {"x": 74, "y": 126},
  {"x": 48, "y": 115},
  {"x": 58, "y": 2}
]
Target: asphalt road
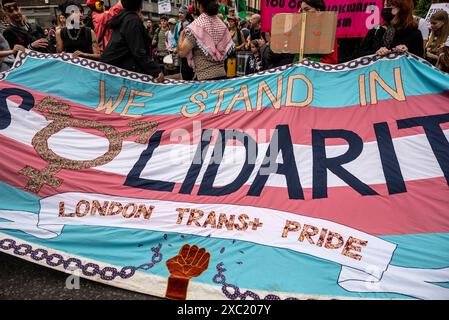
[{"x": 23, "y": 280}]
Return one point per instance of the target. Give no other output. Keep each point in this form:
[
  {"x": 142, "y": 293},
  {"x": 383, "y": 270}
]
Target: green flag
[
  {"x": 223, "y": 9},
  {"x": 240, "y": 8}
]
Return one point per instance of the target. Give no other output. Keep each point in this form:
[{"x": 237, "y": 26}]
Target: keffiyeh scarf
[{"x": 212, "y": 36}]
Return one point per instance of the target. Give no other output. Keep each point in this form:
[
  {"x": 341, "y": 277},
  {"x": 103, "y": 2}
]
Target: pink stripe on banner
[
  {"x": 354, "y": 118},
  {"x": 422, "y": 209}
]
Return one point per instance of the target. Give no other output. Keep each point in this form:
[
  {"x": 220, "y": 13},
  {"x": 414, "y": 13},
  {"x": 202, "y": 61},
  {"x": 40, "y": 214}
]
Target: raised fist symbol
[{"x": 190, "y": 262}]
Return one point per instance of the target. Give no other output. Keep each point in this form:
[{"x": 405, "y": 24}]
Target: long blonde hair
[{"x": 441, "y": 34}]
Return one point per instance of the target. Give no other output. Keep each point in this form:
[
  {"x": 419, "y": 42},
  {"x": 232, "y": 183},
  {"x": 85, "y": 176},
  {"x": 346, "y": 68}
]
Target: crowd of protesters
[{"x": 202, "y": 44}]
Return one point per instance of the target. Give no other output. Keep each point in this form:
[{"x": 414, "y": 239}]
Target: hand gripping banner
[{"x": 306, "y": 181}]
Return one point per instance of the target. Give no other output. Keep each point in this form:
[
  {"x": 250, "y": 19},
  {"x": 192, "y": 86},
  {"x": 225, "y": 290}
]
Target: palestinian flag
[{"x": 240, "y": 8}]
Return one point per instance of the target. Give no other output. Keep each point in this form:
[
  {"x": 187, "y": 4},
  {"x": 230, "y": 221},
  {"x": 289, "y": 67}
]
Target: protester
[
  {"x": 172, "y": 67},
  {"x": 255, "y": 32},
  {"x": 239, "y": 44},
  {"x": 129, "y": 46},
  {"x": 7, "y": 55},
  {"x": 236, "y": 34},
  {"x": 402, "y": 34},
  {"x": 100, "y": 20},
  {"x": 61, "y": 21},
  {"x": 225, "y": 17},
  {"x": 150, "y": 30},
  {"x": 439, "y": 23},
  {"x": 244, "y": 28},
  {"x": 159, "y": 40},
  {"x": 206, "y": 42},
  {"x": 182, "y": 21},
  {"x": 80, "y": 41},
  {"x": 20, "y": 32},
  {"x": 170, "y": 35},
  {"x": 374, "y": 39},
  {"x": 270, "y": 59},
  {"x": 187, "y": 72},
  {"x": 316, "y": 6},
  {"x": 254, "y": 62}
]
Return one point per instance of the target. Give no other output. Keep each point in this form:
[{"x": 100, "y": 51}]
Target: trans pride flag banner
[{"x": 306, "y": 181}]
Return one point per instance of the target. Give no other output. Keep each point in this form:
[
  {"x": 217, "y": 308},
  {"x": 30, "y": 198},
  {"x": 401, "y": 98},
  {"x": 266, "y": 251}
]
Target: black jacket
[
  {"x": 412, "y": 38},
  {"x": 129, "y": 46},
  {"x": 273, "y": 60},
  {"x": 16, "y": 35},
  {"x": 372, "y": 42}
]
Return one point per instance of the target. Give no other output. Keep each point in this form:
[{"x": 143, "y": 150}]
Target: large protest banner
[
  {"x": 306, "y": 181},
  {"x": 355, "y": 17}
]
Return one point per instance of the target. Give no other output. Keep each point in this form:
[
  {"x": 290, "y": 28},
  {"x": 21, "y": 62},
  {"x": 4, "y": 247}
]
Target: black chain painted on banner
[
  {"x": 236, "y": 293},
  {"x": 95, "y": 65},
  {"x": 72, "y": 264}
]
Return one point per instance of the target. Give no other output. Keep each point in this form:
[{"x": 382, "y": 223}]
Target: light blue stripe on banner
[
  {"x": 248, "y": 265},
  {"x": 12, "y": 198},
  {"x": 421, "y": 250},
  {"x": 331, "y": 89}
]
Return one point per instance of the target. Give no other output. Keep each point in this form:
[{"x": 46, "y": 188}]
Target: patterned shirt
[{"x": 205, "y": 67}]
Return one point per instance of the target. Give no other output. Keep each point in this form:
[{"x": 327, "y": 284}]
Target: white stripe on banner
[
  {"x": 365, "y": 259},
  {"x": 171, "y": 162}
]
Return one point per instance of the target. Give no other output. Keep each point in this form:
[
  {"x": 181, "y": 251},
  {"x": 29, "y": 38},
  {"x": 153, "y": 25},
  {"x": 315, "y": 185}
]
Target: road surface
[{"x": 23, "y": 280}]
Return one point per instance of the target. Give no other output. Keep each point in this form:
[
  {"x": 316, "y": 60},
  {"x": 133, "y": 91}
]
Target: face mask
[{"x": 387, "y": 14}]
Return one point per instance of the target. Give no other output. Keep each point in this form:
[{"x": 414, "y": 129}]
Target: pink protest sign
[{"x": 355, "y": 17}]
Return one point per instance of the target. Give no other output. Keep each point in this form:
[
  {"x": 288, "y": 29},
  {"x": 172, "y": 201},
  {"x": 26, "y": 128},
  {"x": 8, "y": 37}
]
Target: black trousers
[{"x": 186, "y": 72}]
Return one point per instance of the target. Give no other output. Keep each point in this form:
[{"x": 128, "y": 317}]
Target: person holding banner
[
  {"x": 129, "y": 47},
  {"x": 440, "y": 32},
  {"x": 373, "y": 40},
  {"x": 7, "y": 55},
  {"x": 206, "y": 42},
  {"x": 19, "y": 31},
  {"x": 402, "y": 35},
  {"x": 81, "y": 41}
]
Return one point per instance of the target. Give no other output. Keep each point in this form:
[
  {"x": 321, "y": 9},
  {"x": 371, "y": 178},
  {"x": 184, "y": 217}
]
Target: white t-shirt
[{"x": 170, "y": 36}]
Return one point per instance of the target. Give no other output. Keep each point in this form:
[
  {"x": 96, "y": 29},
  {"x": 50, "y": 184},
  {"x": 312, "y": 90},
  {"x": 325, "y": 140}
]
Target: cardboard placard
[
  {"x": 436, "y": 7},
  {"x": 354, "y": 20},
  {"x": 164, "y": 6},
  {"x": 320, "y": 29}
]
